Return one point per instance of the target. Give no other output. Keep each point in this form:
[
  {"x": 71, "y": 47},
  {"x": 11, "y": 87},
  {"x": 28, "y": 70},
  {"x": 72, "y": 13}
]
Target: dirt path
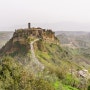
[{"x": 35, "y": 62}]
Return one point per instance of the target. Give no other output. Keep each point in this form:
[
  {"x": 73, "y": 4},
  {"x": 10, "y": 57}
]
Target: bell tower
[{"x": 29, "y": 25}]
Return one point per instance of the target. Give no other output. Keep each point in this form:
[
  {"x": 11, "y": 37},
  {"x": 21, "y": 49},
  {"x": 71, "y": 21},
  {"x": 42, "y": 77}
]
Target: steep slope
[
  {"x": 42, "y": 56},
  {"x": 65, "y": 64}
]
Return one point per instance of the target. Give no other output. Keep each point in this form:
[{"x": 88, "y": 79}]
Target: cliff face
[{"x": 22, "y": 37}]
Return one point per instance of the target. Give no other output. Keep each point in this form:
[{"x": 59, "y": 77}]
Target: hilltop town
[
  {"x": 21, "y": 39},
  {"x": 47, "y": 35}
]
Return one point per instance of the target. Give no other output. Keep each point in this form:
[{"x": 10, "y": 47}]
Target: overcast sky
[{"x": 62, "y": 14}]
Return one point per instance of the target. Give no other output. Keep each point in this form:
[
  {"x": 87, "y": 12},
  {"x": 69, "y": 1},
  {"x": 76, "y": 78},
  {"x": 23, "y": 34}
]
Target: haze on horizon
[{"x": 65, "y": 15}]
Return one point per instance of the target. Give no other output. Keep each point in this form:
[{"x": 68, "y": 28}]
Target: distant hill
[
  {"x": 4, "y": 37},
  {"x": 79, "y": 39}
]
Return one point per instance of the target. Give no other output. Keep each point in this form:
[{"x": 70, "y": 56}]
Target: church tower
[{"x": 29, "y": 25}]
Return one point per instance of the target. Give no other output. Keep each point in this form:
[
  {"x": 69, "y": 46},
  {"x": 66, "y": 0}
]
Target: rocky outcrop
[
  {"x": 84, "y": 74},
  {"x": 21, "y": 38},
  {"x": 22, "y": 34}
]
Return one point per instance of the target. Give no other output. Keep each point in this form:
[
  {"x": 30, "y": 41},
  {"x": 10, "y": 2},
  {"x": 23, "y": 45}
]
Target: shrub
[{"x": 41, "y": 84}]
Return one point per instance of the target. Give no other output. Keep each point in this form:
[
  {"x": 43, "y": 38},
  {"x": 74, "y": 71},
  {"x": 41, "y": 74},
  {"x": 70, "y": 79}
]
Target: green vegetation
[
  {"x": 14, "y": 77},
  {"x": 60, "y": 73},
  {"x": 56, "y": 76},
  {"x": 59, "y": 61}
]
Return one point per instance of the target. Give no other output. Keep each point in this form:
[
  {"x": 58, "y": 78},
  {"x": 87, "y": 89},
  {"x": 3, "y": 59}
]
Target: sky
[{"x": 69, "y": 15}]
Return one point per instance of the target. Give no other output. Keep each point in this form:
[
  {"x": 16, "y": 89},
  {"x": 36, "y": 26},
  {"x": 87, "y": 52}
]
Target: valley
[{"x": 4, "y": 37}]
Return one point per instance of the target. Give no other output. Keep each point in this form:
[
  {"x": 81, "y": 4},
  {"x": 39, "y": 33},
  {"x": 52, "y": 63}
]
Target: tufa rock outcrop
[{"x": 21, "y": 38}]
